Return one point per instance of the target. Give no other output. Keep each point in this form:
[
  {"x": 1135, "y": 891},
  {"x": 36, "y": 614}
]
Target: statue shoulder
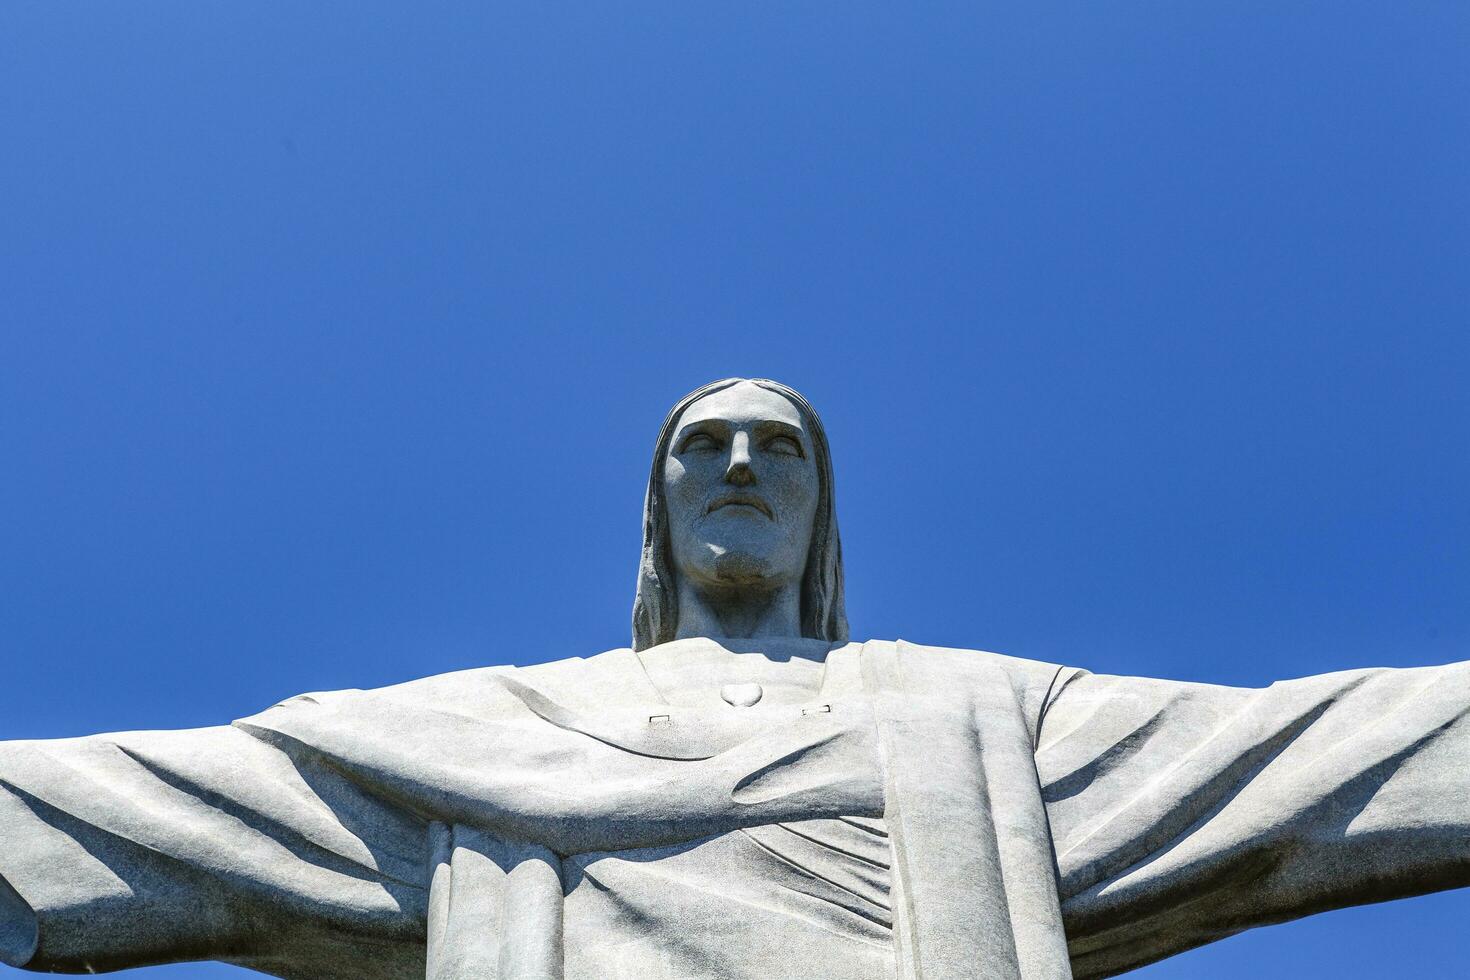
[
  {"x": 1032, "y": 680},
  {"x": 476, "y": 690}
]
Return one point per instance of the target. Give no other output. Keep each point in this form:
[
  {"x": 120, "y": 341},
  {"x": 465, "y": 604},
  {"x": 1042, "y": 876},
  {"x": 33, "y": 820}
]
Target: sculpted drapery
[
  {"x": 569, "y": 820},
  {"x": 742, "y": 794}
]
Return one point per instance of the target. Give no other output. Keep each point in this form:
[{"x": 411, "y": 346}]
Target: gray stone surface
[{"x": 743, "y": 793}]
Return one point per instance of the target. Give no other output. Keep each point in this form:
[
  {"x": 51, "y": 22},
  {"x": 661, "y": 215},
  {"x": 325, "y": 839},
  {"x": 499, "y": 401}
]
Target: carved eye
[
  {"x": 700, "y": 442},
  {"x": 784, "y": 446}
]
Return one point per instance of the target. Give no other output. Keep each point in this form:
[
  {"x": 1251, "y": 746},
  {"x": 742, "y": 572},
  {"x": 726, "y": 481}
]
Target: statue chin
[{"x": 742, "y": 568}]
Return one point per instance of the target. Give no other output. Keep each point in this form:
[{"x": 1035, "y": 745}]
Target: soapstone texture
[{"x": 779, "y": 805}]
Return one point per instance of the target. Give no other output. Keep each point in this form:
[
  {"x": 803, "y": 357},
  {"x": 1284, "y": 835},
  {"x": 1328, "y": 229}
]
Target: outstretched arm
[
  {"x": 300, "y": 841},
  {"x": 1184, "y": 813},
  {"x": 147, "y": 847}
]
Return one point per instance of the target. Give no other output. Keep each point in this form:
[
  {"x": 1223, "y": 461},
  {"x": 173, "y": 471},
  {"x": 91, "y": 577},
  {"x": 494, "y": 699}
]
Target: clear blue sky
[{"x": 336, "y": 336}]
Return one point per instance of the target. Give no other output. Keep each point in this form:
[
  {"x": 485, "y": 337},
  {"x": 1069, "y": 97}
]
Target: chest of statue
[
  {"x": 804, "y": 899},
  {"x": 797, "y": 899},
  {"x": 884, "y": 824}
]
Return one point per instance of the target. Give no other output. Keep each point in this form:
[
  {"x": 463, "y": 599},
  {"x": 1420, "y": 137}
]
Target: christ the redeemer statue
[{"x": 742, "y": 794}]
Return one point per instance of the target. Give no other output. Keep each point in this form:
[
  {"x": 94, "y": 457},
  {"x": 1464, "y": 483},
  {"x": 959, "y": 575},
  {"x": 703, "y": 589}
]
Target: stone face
[
  {"x": 740, "y": 525},
  {"x": 777, "y": 805},
  {"x": 742, "y": 492}
]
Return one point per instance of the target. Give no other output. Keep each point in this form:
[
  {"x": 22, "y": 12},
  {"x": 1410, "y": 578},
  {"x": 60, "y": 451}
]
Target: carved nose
[{"x": 739, "y": 473}]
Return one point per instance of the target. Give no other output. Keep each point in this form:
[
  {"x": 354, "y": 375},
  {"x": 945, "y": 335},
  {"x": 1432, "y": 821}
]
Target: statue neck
[{"x": 738, "y": 612}]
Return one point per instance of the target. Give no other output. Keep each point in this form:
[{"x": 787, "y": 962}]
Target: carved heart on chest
[{"x": 742, "y": 695}]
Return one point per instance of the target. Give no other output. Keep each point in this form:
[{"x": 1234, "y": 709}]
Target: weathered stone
[{"x": 741, "y": 794}]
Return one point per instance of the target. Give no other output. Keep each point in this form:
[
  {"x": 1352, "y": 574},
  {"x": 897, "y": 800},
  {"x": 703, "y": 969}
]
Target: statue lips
[{"x": 740, "y": 500}]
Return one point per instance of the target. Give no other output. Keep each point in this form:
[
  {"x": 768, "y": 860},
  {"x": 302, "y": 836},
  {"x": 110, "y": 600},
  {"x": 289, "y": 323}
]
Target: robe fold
[{"x": 926, "y": 814}]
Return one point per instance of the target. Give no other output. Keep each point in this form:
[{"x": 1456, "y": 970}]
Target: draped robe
[{"x": 919, "y": 813}]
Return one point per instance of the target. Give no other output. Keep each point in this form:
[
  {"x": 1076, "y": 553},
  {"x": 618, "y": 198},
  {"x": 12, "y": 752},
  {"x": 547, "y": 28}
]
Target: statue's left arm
[{"x": 1184, "y": 813}]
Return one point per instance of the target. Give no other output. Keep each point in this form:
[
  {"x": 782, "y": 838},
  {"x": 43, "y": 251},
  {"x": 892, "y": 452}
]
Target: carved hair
[{"x": 656, "y": 604}]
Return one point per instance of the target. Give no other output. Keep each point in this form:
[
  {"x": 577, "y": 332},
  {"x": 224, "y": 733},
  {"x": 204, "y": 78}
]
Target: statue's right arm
[{"x": 146, "y": 847}]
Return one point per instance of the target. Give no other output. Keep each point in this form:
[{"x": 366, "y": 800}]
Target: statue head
[{"x": 740, "y": 501}]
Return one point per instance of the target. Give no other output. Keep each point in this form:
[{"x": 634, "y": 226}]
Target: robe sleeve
[
  {"x": 147, "y": 847},
  {"x": 1184, "y": 813}
]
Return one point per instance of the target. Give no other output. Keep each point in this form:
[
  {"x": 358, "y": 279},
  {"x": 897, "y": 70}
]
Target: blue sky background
[{"x": 336, "y": 337}]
